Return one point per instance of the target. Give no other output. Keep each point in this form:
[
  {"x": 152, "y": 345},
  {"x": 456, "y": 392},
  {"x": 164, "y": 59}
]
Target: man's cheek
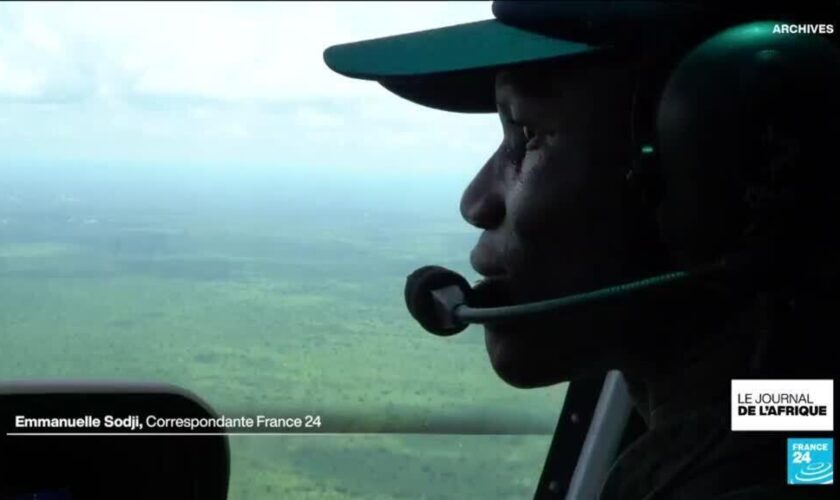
[
  {"x": 532, "y": 266},
  {"x": 536, "y": 210},
  {"x": 546, "y": 195}
]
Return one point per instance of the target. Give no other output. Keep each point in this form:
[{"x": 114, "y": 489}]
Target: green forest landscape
[{"x": 270, "y": 292}]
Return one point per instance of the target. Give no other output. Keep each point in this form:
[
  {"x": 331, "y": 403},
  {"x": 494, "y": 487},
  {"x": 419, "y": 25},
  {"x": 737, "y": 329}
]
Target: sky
[{"x": 222, "y": 85}]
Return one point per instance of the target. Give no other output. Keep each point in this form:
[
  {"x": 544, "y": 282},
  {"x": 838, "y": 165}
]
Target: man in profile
[{"x": 567, "y": 203}]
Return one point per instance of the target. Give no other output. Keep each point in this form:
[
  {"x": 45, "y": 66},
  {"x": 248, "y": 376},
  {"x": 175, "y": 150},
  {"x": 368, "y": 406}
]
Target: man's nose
[{"x": 483, "y": 202}]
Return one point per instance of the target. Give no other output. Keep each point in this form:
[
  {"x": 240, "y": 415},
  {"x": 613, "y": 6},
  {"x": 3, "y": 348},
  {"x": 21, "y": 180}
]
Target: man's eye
[
  {"x": 531, "y": 137},
  {"x": 528, "y": 132}
]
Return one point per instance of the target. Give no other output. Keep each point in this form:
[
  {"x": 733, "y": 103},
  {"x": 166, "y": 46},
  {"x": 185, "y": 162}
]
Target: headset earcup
[{"x": 716, "y": 144}]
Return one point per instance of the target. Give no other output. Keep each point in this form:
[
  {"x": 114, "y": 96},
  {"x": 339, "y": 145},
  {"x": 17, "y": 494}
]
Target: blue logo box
[{"x": 810, "y": 461}]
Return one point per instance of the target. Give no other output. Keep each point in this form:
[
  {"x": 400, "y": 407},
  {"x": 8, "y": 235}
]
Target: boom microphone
[{"x": 443, "y": 302}]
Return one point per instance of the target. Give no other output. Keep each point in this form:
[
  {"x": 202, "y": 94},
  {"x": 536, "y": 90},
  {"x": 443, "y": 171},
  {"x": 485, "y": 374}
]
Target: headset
[{"x": 744, "y": 69}]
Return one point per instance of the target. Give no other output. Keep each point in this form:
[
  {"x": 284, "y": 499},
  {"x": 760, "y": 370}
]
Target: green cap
[
  {"x": 448, "y": 68},
  {"x": 453, "y": 68},
  {"x": 461, "y": 47}
]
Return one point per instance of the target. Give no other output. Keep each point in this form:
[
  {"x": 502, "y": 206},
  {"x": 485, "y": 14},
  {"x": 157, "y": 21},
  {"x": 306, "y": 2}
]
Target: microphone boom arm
[
  {"x": 468, "y": 314},
  {"x": 439, "y": 299}
]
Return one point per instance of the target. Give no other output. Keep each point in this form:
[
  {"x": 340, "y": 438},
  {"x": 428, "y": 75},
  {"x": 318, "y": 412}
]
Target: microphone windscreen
[{"x": 421, "y": 303}]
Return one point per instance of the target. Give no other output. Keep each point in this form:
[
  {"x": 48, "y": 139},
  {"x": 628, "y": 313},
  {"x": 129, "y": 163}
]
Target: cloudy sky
[{"x": 219, "y": 84}]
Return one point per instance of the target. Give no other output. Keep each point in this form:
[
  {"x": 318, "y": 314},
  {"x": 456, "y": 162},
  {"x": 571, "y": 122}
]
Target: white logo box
[{"x": 770, "y": 412}]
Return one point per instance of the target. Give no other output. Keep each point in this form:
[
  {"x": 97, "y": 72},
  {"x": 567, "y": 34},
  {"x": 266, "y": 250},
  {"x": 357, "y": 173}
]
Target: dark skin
[
  {"x": 558, "y": 217},
  {"x": 552, "y": 202}
]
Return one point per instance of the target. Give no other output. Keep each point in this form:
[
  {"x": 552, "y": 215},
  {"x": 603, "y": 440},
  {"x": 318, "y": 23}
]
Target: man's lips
[
  {"x": 494, "y": 290},
  {"x": 486, "y": 257}
]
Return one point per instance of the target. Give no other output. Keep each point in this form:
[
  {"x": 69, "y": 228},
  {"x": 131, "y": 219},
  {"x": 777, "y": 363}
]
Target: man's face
[{"x": 553, "y": 206}]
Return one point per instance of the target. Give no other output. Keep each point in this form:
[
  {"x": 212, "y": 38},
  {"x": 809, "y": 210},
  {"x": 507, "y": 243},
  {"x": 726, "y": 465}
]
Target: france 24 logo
[{"x": 810, "y": 461}]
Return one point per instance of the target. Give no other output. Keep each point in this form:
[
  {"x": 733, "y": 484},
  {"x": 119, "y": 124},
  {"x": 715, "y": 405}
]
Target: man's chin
[{"x": 520, "y": 360}]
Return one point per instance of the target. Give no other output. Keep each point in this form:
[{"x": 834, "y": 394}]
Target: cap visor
[{"x": 448, "y": 68}]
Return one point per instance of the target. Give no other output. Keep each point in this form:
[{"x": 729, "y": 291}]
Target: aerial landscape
[{"x": 271, "y": 292}]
